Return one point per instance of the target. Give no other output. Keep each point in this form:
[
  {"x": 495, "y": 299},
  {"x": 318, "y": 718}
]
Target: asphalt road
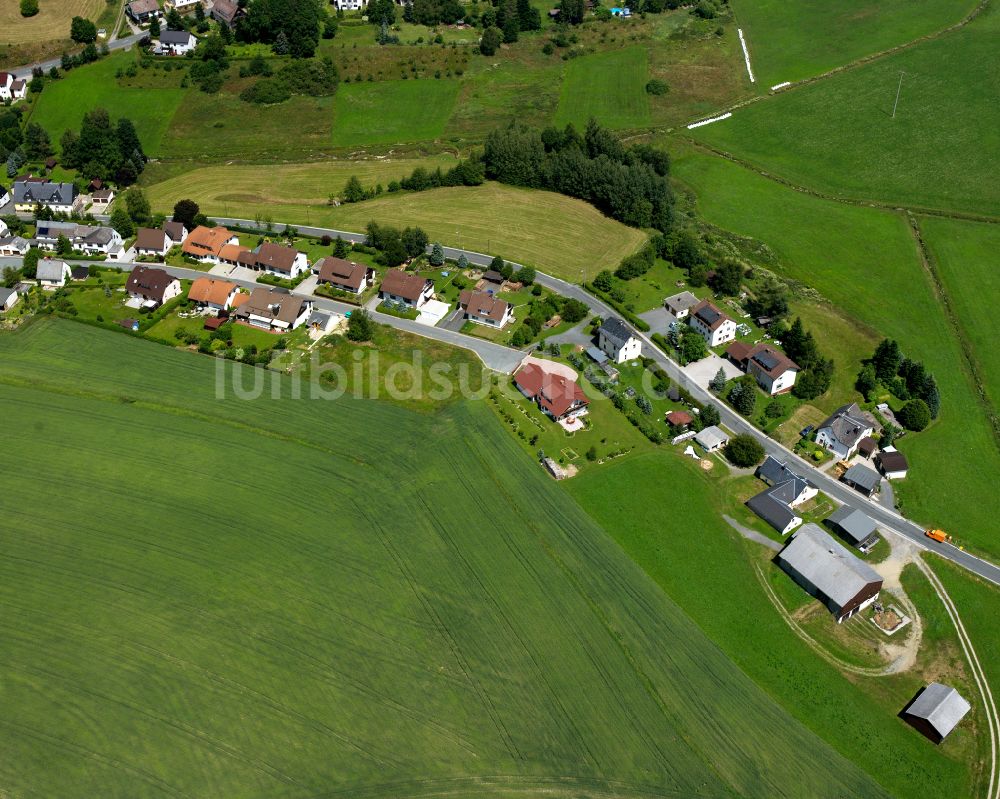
[{"x": 116, "y": 44}]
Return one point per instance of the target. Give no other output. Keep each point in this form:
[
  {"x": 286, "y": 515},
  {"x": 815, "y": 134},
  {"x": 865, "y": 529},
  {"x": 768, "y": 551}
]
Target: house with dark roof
[
  {"x": 8, "y": 298},
  {"x": 344, "y": 275},
  {"x": 557, "y": 395},
  {"x": 175, "y": 231},
  {"x": 773, "y": 370},
  {"x": 52, "y": 274},
  {"x": 786, "y": 490},
  {"x": 775, "y": 472},
  {"x": 225, "y": 12},
  {"x": 274, "y": 310},
  {"x": 774, "y": 511},
  {"x": 892, "y": 463},
  {"x": 90, "y": 239},
  {"x": 867, "y": 447},
  {"x": 409, "y": 289},
  {"x": 151, "y": 242},
  {"x": 485, "y": 309},
  {"x": 826, "y": 570},
  {"x": 843, "y": 430},
  {"x": 177, "y": 42},
  {"x": 680, "y": 305},
  {"x": 617, "y": 339},
  {"x": 715, "y": 327},
  {"x": 152, "y": 286},
  {"x": 57, "y": 197},
  {"x": 862, "y": 479},
  {"x": 936, "y": 711},
  {"x": 854, "y": 526}
]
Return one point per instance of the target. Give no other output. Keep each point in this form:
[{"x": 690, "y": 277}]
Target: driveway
[
  {"x": 455, "y": 321},
  {"x": 307, "y": 286},
  {"x": 432, "y": 312},
  {"x": 575, "y": 335},
  {"x": 659, "y": 320},
  {"x": 701, "y": 372}
]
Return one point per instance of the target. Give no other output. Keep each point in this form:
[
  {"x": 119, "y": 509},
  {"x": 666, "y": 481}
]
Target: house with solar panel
[
  {"x": 773, "y": 370},
  {"x": 715, "y": 327}
]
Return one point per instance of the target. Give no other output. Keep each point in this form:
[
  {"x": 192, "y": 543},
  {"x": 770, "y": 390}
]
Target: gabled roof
[
  {"x": 862, "y": 477},
  {"x": 275, "y": 305},
  {"x": 44, "y": 192},
  {"x": 555, "y": 393},
  {"x": 711, "y": 437},
  {"x": 892, "y": 461},
  {"x": 216, "y": 292},
  {"x": 827, "y": 565},
  {"x": 405, "y": 285},
  {"x": 174, "y": 229},
  {"x": 149, "y": 282},
  {"x": 278, "y": 257},
  {"x": 51, "y": 270},
  {"x": 847, "y": 424},
  {"x": 775, "y": 513},
  {"x": 175, "y": 37},
  {"x": 772, "y": 471},
  {"x": 344, "y": 273},
  {"x": 679, "y": 417},
  {"x": 616, "y": 329},
  {"x": 683, "y": 301},
  {"x": 150, "y": 239},
  {"x": 479, "y": 303},
  {"x": 709, "y": 315},
  {"x": 144, "y": 6},
  {"x": 941, "y": 706},
  {"x": 853, "y": 523},
  {"x": 225, "y": 9},
  {"x": 5, "y": 294},
  {"x": 770, "y": 361},
  {"x": 206, "y": 241}
]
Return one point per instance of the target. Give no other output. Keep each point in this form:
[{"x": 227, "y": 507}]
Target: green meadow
[
  {"x": 838, "y": 135},
  {"x": 319, "y": 615},
  {"x": 610, "y": 87},
  {"x": 391, "y": 112},
  {"x": 866, "y": 262},
  {"x": 791, "y": 41}
]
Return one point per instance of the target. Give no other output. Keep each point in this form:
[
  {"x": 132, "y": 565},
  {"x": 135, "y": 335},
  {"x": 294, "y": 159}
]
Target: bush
[
  {"x": 266, "y": 91},
  {"x": 29, "y": 8},
  {"x": 744, "y": 451},
  {"x": 360, "y": 326},
  {"x": 914, "y": 415},
  {"x": 657, "y": 87}
]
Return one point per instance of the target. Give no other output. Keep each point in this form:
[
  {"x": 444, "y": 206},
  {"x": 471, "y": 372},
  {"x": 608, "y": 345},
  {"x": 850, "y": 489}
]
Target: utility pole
[{"x": 898, "y": 90}]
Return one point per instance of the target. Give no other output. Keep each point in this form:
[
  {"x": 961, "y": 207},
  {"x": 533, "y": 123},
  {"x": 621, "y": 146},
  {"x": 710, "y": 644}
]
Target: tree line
[{"x": 906, "y": 379}]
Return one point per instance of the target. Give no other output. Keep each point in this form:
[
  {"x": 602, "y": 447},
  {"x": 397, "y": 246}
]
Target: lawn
[
  {"x": 610, "y": 87},
  {"x": 789, "y": 42},
  {"x": 708, "y": 570},
  {"x": 245, "y": 190},
  {"x": 967, "y": 258},
  {"x": 866, "y": 262},
  {"x": 838, "y": 135},
  {"x": 198, "y": 637},
  {"x": 392, "y": 112},
  {"x": 51, "y": 22},
  {"x": 63, "y": 103}
]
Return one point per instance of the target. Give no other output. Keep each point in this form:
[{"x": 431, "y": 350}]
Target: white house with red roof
[{"x": 556, "y": 394}]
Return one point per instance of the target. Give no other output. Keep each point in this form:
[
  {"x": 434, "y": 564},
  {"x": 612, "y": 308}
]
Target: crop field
[
  {"x": 685, "y": 552},
  {"x": 866, "y": 262},
  {"x": 791, "y": 42},
  {"x": 217, "y": 633},
  {"x": 838, "y": 135},
  {"x": 392, "y": 112},
  {"x": 51, "y": 22},
  {"x": 967, "y": 257},
  {"x": 610, "y": 87},
  {"x": 64, "y": 102}
]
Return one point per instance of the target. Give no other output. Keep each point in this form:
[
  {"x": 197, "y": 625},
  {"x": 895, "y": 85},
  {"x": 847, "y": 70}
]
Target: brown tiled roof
[
  {"x": 679, "y": 417},
  {"x": 738, "y": 351},
  {"x": 216, "y": 292},
  {"x": 231, "y": 252},
  {"x": 148, "y": 282},
  {"x": 150, "y": 239},
  {"x": 341, "y": 272},
  {"x": 144, "y": 6},
  {"x": 276, "y": 256},
  {"x": 206, "y": 241},
  {"x": 771, "y": 361},
  {"x": 240, "y": 299},
  {"x": 555, "y": 392},
  {"x": 225, "y": 9},
  {"x": 892, "y": 461},
  {"x": 402, "y": 284},
  {"x": 479, "y": 303},
  {"x": 273, "y": 305},
  {"x": 709, "y": 315},
  {"x": 174, "y": 229}
]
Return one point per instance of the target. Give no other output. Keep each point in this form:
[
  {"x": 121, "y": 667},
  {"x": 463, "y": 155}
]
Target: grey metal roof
[
  {"x": 942, "y": 706},
  {"x": 827, "y": 565},
  {"x": 711, "y": 437},
  {"x": 853, "y": 523},
  {"x": 51, "y": 270},
  {"x": 597, "y": 354},
  {"x": 320, "y": 318},
  {"x": 862, "y": 477},
  {"x": 773, "y": 472},
  {"x": 5, "y": 295},
  {"x": 616, "y": 328},
  {"x": 175, "y": 37},
  {"x": 775, "y": 513}
]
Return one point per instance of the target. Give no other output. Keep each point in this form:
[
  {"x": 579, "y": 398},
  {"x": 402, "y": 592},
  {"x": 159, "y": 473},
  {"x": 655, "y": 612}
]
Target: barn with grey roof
[
  {"x": 936, "y": 711},
  {"x": 855, "y": 526}
]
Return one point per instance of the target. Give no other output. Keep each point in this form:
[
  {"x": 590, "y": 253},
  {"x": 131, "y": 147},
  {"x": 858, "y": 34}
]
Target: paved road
[{"x": 116, "y": 44}]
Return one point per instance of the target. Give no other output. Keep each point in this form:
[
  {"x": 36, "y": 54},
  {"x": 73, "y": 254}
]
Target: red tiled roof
[
  {"x": 555, "y": 393},
  {"x": 679, "y": 417},
  {"x": 479, "y": 303}
]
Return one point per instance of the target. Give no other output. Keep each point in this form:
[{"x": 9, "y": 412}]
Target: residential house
[
  {"x": 936, "y": 711},
  {"x": 616, "y": 339},
  {"x": 400, "y": 286},
  {"x": 680, "y": 305},
  {"x": 344, "y": 275},
  {"x": 215, "y": 294},
  {"x": 826, "y": 570},
  {"x": 237, "y": 255},
  {"x": 772, "y": 510},
  {"x": 785, "y": 491},
  {"x": 152, "y": 286},
  {"x": 52, "y": 274},
  {"x": 177, "y": 42},
  {"x": 892, "y": 463},
  {"x": 715, "y": 327},
  {"x": 225, "y": 12},
  {"x": 280, "y": 260},
  {"x": 14, "y": 246},
  {"x": 350, "y": 5},
  {"x": 12, "y": 88},
  {"x": 205, "y": 243},
  {"x": 176, "y": 232},
  {"x": 4, "y": 195},
  {"x": 102, "y": 199},
  {"x": 712, "y": 438},
  {"x": 90, "y": 239},
  {"x": 774, "y": 472},
  {"x": 854, "y": 526},
  {"x": 843, "y": 430},
  {"x": 862, "y": 479},
  {"x": 151, "y": 242},
  {"x": 558, "y": 396},
  {"x": 60, "y": 198},
  {"x": 141, "y": 12},
  {"x": 8, "y": 299},
  {"x": 3, "y": 228},
  {"x": 485, "y": 309},
  {"x": 773, "y": 370},
  {"x": 274, "y": 310},
  {"x": 181, "y": 6}
]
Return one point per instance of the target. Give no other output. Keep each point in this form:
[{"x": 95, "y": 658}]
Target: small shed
[
  {"x": 596, "y": 354},
  {"x": 892, "y": 463},
  {"x": 712, "y": 438},
  {"x": 936, "y": 711},
  {"x": 862, "y": 479},
  {"x": 867, "y": 447},
  {"x": 214, "y": 322}
]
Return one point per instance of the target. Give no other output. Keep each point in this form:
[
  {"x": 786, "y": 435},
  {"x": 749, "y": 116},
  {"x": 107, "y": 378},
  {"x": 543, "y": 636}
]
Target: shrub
[
  {"x": 744, "y": 450},
  {"x": 29, "y": 8},
  {"x": 656, "y": 87},
  {"x": 914, "y": 415}
]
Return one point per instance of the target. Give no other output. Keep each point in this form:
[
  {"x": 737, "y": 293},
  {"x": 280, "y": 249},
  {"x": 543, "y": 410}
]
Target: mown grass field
[
  {"x": 390, "y": 112},
  {"x": 708, "y": 570},
  {"x": 791, "y": 42},
  {"x": 284, "y": 597},
  {"x": 866, "y": 262},
  {"x": 64, "y": 102},
  {"x": 608, "y": 86},
  {"x": 51, "y": 22},
  {"x": 838, "y": 135},
  {"x": 967, "y": 258}
]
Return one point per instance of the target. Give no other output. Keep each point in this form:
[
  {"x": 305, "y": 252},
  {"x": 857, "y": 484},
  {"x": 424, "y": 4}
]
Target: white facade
[
  {"x": 617, "y": 350},
  {"x": 724, "y": 333},
  {"x": 9, "y": 301}
]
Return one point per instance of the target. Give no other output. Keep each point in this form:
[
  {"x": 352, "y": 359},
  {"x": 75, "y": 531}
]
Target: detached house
[
  {"x": 12, "y": 88},
  {"x": 177, "y": 42},
  {"x": 181, "y": 6},
  {"x": 344, "y": 275},
  {"x": 218, "y": 295},
  {"x": 60, "y": 198},
  {"x": 151, "y": 242},
  {"x": 8, "y": 299},
  {"x": 843, "y": 430},
  {"x": 205, "y": 243},
  {"x": 176, "y": 232},
  {"x": 715, "y": 327},
  {"x": 400, "y": 286},
  {"x": 85, "y": 238},
  {"x": 773, "y": 370},
  {"x": 142, "y": 11},
  {"x": 152, "y": 286},
  {"x": 280, "y": 260},
  {"x": 274, "y": 310},
  {"x": 485, "y": 309},
  {"x": 52, "y": 274},
  {"x": 557, "y": 395},
  {"x": 14, "y": 246},
  {"x": 785, "y": 491},
  {"x": 616, "y": 339}
]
